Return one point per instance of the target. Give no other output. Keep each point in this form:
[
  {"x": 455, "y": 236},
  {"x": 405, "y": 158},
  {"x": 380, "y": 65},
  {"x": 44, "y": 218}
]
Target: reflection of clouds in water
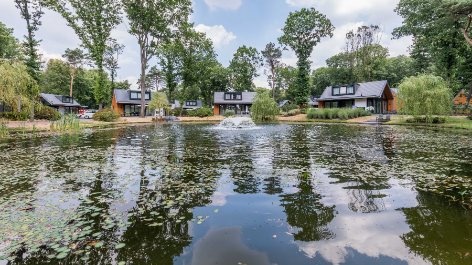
[
  {"x": 224, "y": 246},
  {"x": 219, "y": 197},
  {"x": 372, "y": 234},
  {"x": 366, "y": 235}
]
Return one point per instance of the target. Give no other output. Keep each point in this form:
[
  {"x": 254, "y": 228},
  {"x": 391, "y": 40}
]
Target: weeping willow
[
  {"x": 426, "y": 96},
  {"x": 16, "y": 85},
  {"x": 264, "y": 108}
]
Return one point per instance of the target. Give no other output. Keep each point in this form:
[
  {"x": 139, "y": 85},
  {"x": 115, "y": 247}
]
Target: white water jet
[{"x": 240, "y": 123}]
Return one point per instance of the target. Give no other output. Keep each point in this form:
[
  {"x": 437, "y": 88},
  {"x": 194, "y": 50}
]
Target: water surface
[{"x": 282, "y": 194}]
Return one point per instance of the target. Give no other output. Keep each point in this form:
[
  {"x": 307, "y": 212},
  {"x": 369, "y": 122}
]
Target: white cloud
[
  {"x": 46, "y": 56},
  {"x": 225, "y": 4},
  {"x": 349, "y": 15},
  {"x": 217, "y": 34}
]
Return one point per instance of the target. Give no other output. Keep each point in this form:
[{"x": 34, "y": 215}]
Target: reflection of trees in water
[
  {"x": 440, "y": 231},
  {"x": 305, "y": 211}
]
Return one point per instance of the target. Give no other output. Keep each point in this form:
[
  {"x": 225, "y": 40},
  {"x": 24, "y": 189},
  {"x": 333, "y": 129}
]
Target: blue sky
[{"x": 231, "y": 24}]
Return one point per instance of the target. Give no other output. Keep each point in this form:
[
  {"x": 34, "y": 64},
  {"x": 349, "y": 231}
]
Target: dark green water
[{"x": 282, "y": 194}]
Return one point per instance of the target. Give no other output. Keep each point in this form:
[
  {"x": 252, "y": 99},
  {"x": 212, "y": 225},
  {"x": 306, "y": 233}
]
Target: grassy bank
[{"x": 451, "y": 122}]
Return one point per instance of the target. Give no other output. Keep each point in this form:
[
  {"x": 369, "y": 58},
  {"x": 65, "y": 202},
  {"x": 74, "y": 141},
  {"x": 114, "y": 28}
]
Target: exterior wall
[
  {"x": 118, "y": 107},
  {"x": 361, "y": 103},
  {"x": 461, "y": 99},
  {"x": 216, "y": 110},
  {"x": 61, "y": 110},
  {"x": 395, "y": 101},
  {"x": 320, "y": 105}
]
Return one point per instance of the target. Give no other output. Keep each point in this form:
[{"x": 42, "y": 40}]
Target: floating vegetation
[{"x": 82, "y": 196}]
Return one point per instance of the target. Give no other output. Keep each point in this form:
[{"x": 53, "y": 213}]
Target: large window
[
  {"x": 67, "y": 99},
  {"x": 239, "y": 109},
  {"x": 191, "y": 103},
  {"x": 377, "y": 103},
  {"x": 343, "y": 90},
  {"x": 137, "y": 95},
  {"x": 339, "y": 104},
  {"x": 135, "y": 110},
  {"x": 234, "y": 96}
]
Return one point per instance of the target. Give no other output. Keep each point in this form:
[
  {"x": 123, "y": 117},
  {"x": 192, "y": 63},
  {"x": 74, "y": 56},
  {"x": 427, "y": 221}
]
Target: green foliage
[
  {"x": 125, "y": 84},
  {"x": 469, "y": 117},
  {"x": 272, "y": 56},
  {"x": 343, "y": 113},
  {"x": 229, "y": 113},
  {"x": 159, "y": 101},
  {"x": 31, "y": 12},
  {"x": 425, "y": 120},
  {"x": 47, "y": 113},
  {"x": 424, "y": 95},
  {"x": 293, "y": 112},
  {"x": 17, "y": 84},
  {"x": 289, "y": 107},
  {"x": 191, "y": 113},
  {"x": 244, "y": 66},
  {"x": 66, "y": 123},
  {"x": 303, "y": 30},
  {"x": 203, "y": 112},
  {"x": 9, "y": 45},
  {"x": 107, "y": 115},
  {"x": 285, "y": 77},
  {"x": 15, "y": 116},
  {"x": 92, "y": 21},
  {"x": 264, "y": 108}
]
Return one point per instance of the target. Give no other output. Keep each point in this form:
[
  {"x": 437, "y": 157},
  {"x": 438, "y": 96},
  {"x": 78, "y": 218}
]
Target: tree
[
  {"x": 424, "y": 95},
  {"x": 16, "y": 84},
  {"x": 285, "y": 80},
  {"x": 264, "y": 108},
  {"x": 155, "y": 77},
  {"x": 396, "y": 69},
  {"x": 303, "y": 30},
  {"x": 125, "y": 84},
  {"x": 92, "y": 21},
  {"x": 364, "y": 52},
  {"x": 110, "y": 62},
  {"x": 321, "y": 79},
  {"x": 246, "y": 61},
  {"x": 217, "y": 79},
  {"x": 76, "y": 58},
  {"x": 9, "y": 46},
  {"x": 150, "y": 21},
  {"x": 272, "y": 57},
  {"x": 31, "y": 12},
  {"x": 159, "y": 101}
]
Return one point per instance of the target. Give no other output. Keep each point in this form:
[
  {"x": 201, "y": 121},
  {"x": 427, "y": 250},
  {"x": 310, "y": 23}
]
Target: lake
[{"x": 277, "y": 194}]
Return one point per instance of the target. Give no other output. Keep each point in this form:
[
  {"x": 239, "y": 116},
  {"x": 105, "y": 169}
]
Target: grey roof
[
  {"x": 363, "y": 90},
  {"x": 283, "y": 102},
  {"x": 394, "y": 90},
  {"x": 56, "y": 100},
  {"x": 313, "y": 102},
  {"x": 247, "y": 98},
  {"x": 122, "y": 97},
  {"x": 177, "y": 104}
]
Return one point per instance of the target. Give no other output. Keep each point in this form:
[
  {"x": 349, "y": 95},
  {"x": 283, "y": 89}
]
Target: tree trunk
[
  {"x": 469, "y": 96},
  {"x": 273, "y": 83},
  {"x": 100, "y": 82},
  {"x": 142, "y": 112},
  {"x": 32, "y": 113},
  {"x": 72, "y": 80}
]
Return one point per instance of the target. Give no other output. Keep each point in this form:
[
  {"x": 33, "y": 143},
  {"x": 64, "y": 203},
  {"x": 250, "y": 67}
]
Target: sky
[{"x": 230, "y": 24}]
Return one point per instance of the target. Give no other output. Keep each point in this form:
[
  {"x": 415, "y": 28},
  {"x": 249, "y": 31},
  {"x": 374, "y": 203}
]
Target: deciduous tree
[
  {"x": 76, "y": 58},
  {"x": 303, "y": 30},
  {"x": 151, "y": 22},
  {"x": 9, "y": 45},
  {"x": 244, "y": 66},
  {"x": 272, "y": 57},
  {"x": 92, "y": 21}
]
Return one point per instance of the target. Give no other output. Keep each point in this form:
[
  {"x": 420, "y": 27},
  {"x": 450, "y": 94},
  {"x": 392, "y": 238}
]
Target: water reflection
[{"x": 184, "y": 194}]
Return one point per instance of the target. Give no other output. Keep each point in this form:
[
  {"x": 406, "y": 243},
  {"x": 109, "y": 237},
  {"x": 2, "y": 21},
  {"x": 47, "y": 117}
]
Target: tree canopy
[
  {"x": 264, "y": 108},
  {"x": 244, "y": 66}
]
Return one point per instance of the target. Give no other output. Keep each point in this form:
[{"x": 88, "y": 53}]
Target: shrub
[
  {"x": 15, "y": 116},
  {"x": 106, "y": 115},
  {"x": 305, "y": 110},
  {"x": 425, "y": 96},
  {"x": 264, "y": 108},
  {"x": 284, "y": 113},
  {"x": 229, "y": 113},
  {"x": 203, "y": 112},
  {"x": 335, "y": 113},
  {"x": 47, "y": 113},
  {"x": 469, "y": 117},
  {"x": 192, "y": 113},
  {"x": 289, "y": 107},
  {"x": 293, "y": 112},
  {"x": 343, "y": 114},
  {"x": 425, "y": 120}
]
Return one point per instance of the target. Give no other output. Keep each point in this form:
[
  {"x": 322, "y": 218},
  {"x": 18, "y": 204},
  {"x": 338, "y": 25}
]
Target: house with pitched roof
[
  {"x": 461, "y": 98},
  {"x": 188, "y": 105},
  {"x": 240, "y": 102},
  {"x": 375, "y": 94},
  {"x": 63, "y": 104},
  {"x": 128, "y": 102}
]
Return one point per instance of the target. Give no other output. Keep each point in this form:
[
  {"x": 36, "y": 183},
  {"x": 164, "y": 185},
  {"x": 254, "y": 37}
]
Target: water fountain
[{"x": 236, "y": 123}]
